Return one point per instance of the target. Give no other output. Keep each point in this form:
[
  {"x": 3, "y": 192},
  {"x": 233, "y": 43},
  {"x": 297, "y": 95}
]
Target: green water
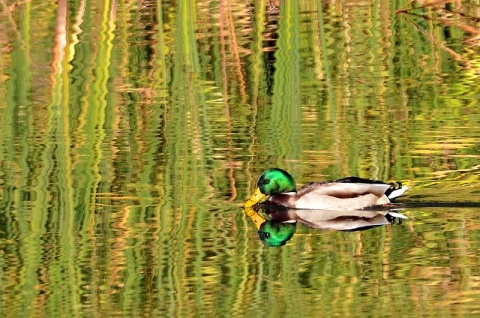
[{"x": 132, "y": 132}]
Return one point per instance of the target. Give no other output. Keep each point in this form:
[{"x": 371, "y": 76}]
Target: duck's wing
[
  {"x": 394, "y": 191},
  {"x": 334, "y": 196},
  {"x": 345, "y": 188}
]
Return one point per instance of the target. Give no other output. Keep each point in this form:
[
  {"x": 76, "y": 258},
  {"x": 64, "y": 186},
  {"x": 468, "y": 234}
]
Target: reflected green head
[
  {"x": 275, "y": 181},
  {"x": 276, "y": 234}
]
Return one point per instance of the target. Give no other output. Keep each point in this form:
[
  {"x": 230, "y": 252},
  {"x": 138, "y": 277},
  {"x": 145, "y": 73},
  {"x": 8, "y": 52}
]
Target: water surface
[{"x": 131, "y": 133}]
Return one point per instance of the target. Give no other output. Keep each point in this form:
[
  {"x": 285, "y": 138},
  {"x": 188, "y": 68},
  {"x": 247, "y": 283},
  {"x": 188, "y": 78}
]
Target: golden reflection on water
[{"x": 131, "y": 134}]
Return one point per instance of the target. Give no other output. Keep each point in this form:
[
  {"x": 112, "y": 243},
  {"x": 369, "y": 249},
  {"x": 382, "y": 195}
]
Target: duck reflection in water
[{"x": 282, "y": 222}]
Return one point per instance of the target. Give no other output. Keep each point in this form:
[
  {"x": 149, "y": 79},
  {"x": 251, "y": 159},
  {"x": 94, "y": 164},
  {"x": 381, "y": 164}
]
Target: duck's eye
[
  {"x": 265, "y": 181},
  {"x": 266, "y": 234}
]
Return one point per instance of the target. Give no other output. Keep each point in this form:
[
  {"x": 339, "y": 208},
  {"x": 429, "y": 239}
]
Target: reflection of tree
[
  {"x": 449, "y": 14},
  {"x": 446, "y": 12}
]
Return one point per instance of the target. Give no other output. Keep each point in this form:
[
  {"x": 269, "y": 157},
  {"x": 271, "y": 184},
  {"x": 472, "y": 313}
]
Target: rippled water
[{"x": 131, "y": 134}]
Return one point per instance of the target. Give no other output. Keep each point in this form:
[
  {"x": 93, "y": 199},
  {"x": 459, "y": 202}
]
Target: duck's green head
[
  {"x": 276, "y": 234},
  {"x": 275, "y": 181},
  {"x": 271, "y": 181}
]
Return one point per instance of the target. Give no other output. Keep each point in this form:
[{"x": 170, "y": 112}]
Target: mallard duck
[{"x": 346, "y": 194}]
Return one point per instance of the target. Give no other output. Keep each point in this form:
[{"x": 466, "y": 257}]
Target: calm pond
[{"x": 132, "y": 132}]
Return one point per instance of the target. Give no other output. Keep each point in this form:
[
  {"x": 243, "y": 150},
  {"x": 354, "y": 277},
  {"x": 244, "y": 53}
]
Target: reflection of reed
[
  {"x": 121, "y": 142},
  {"x": 228, "y": 32}
]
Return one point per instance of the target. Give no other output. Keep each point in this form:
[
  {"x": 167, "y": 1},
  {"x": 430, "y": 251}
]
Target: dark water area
[{"x": 131, "y": 134}]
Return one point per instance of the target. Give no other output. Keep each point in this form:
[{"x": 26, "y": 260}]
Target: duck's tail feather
[
  {"x": 397, "y": 215},
  {"x": 395, "y": 191}
]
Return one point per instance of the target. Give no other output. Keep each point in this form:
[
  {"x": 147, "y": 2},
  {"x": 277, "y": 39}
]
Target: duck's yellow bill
[
  {"x": 254, "y": 198},
  {"x": 255, "y": 217}
]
